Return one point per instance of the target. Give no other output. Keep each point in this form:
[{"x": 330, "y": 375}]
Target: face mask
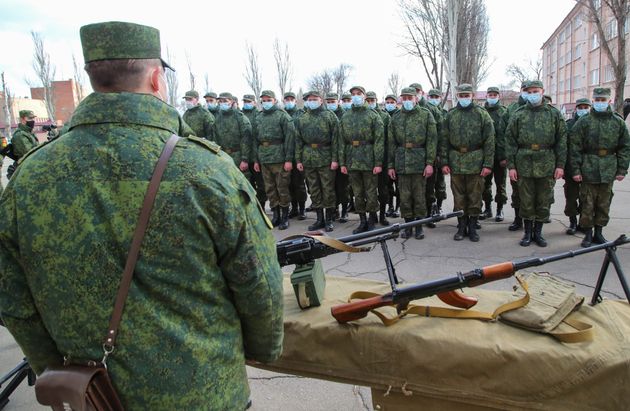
[
  {"x": 372, "y": 106},
  {"x": 189, "y": 105},
  {"x": 266, "y": 105},
  {"x": 248, "y": 106},
  {"x": 225, "y": 106},
  {"x": 390, "y": 106},
  {"x": 346, "y": 106},
  {"x": 331, "y": 106},
  {"x": 30, "y": 123},
  {"x": 492, "y": 101},
  {"x": 534, "y": 98},
  {"x": 357, "y": 100},
  {"x": 434, "y": 101},
  {"x": 464, "y": 102},
  {"x": 409, "y": 105},
  {"x": 312, "y": 104},
  {"x": 212, "y": 106},
  {"x": 600, "y": 106},
  {"x": 524, "y": 95},
  {"x": 582, "y": 111},
  {"x": 289, "y": 105}
]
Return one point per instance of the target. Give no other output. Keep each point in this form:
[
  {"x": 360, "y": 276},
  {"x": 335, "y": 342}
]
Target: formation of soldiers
[{"x": 375, "y": 161}]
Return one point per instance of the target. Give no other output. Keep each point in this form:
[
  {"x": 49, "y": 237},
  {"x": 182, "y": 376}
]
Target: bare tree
[
  {"x": 253, "y": 73},
  {"x": 322, "y": 82},
  {"x": 191, "y": 75},
  {"x": 472, "y": 41},
  {"x": 79, "y": 79},
  {"x": 206, "y": 80},
  {"x": 283, "y": 65},
  {"x": 7, "y": 106},
  {"x": 612, "y": 39},
  {"x": 44, "y": 71},
  {"x": 393, "y": 82},
  {"x": 340, "y": 77},
  {"x": 532, "y": 70},
  {"x": 171, "y": 80}
]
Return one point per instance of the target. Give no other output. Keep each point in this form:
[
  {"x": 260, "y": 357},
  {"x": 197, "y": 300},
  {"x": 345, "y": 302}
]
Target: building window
[
  {"x": 560, "y": 61},
  {"x": 578, "y": 51},
  {"x": 561, "y": 37},
  {"x": 594, "y": 77},
  {"x": 578, "y": 20},
  {"x": 568, "y": 58},
  {"x": 609, "y": 74},
  {"x": 568, "y": 84},
  {"x": 576, "y": 82},
  {"x": 594, "y": 41},
  {"x": 561, "y": 85},
  {"x": 611, "y": 29}
]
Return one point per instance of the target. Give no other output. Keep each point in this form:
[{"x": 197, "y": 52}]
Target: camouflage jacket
[
  {"x": 317, "y": 138},
  {"x": 568, "y": 170},
  {"x": 536, "y": 141},
  {"x": 600, "y": 147},
  {"x": 511, "y": 109},
  {"x": 467, "y": 142},
  {"x": 200, "y": 121},
  {"x": 23, "y": 141},
  {"x": 251, "y": 114},
  {"x": 274, "y": 137},
  {"x": 214, "y": 111},
  {"x": 206, "y": 292},
  {"x": 412, "y": 141},
  {"x": 339, "y": 112},
  {"x": 496, "y": 113},
  {"x": 361, "y": 142},
  {"x": 295, "y": 113},
  {"x": 386, "y": 118},
  {"x": 233, "y": 132},
  {"x": 438, "y": 114}
]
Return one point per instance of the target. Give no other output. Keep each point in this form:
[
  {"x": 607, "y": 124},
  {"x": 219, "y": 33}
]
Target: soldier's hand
[
  {"x": 503, "y": 163},
  {"x": 446, "y": 170},
  {"x": 300, "y": 166},
  {"x": 377, "y": 170},
  {"x": 334, "y": 165},
  {"x": 619, "y": 177},
  {"x": 578, "y": 178},
  {"x": 344, "y": 170},
  {"x": 513, "y": 175},
  {"x": 257, "y": 167},
  {"x": 243, "y": 166},
  {"x": 288, "y": 166},
  {"x": 558, "y": 173},
  {"x": 485, "y": 172},
  {"x": 428, "y": 171},
  {"x": 391, "y": 173}
]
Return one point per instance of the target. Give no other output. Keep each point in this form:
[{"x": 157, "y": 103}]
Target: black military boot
[
  {"x": 329, "y": 219},
  {"x": 284, "y": 218},
  {"x": 598, "y": 238},
  {"x": 390, "y": 208},
  {"x": 472, "y": 229},
  {"x": 527, "y": 235},
  {"x": 319, "y": 223},
  {"x": 301, "y": 210},
  {"x": 517, "y": 224},
  {"x": 499, "y": 217},
  {"x": 537, "y": 235},
  {"x": 406, "y": 233},
  {"x": 372, "y": 220},
  {"x": 588, "y": 237},
  {"x": 572, "y": 225},
  {"x": 381, "y": 216},
  {"x": 419, "y": 232},
  {"x": 363, "y": 225},
  {"x": 461, "y": 229},
  {"x": 294, "y": 209},
  {"x": 344, "y": 213},
  {"x": 477, "y": 223},
  {"x": 439, "y": 206},
  {"x": 487, "y": 213},
  {"x": 275, "y": 220}
]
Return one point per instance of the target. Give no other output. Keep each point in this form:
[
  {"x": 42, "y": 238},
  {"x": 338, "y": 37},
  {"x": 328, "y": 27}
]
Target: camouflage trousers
[
  {"x": 364, "y": 186},
  {"x": 297, "y": 186},
  {"x": 277, "y": 184},
  {"x": 342, "y": 183},
  {"x": 571, "y": 196},
  {"x": 383, "y": 188},
  {"x": 467, "y": 189},
  {"x": 256, "y": 180},
  {"x": 435, "y": 187},
  {"x": 536, "y": 196},
  {"x": 516, "y": 201},
  {"x": 321, "y": 184},
  {"x": 412, "y": 189},
  {"x": 595, "y": 200},
  {"x": 499, "y": 175}
]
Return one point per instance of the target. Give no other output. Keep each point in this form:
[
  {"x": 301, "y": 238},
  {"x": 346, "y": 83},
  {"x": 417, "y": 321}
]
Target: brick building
[{"x": 65, "y": 98}]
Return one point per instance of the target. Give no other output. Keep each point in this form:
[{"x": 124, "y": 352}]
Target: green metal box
[{"x": 309, "y": 284}]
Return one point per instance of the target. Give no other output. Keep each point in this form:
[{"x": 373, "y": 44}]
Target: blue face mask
[
  {"x": 534, "y": 98},
  {"x": 582, "y": 111},
  {"x": 492, "y": 101},
  {"x": 524, "y": 95},
  {"x": 357, "y": 100},
  {"x": 464, "y": 102},
  {"x": 331, "y": 106},
  {"x": 225, "y": 106},
  {"x": 434, "y": 101},
  {"x": 248, "y": 106},
  {"x": 212, "y": 106},
  {"x": 408, "y": 105},
  {"x": 289, "y": 105},
  {"x": 346, "y": 106},
  {"x": 372, "y": 105},
  {"x": 266, "y": 105},
  {"x": 312, "y": 104},
  {"x": 390, "y": 106},
  {"x": 600, "y": 106}
]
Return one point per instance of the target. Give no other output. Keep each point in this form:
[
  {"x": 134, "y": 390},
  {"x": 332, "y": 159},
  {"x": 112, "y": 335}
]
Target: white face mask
[{"x": 189, "y": 105}]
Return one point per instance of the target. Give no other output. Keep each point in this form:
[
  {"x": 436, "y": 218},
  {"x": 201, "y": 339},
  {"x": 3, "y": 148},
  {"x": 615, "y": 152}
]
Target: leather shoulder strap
[{"x": 138, "y": 236}]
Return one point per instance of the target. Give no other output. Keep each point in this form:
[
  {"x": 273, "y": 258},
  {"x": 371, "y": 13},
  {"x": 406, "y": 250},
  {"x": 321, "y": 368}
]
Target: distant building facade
[{"x": 65, "y": 98}]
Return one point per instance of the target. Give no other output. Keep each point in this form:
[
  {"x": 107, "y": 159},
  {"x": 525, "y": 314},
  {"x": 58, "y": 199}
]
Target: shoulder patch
[
  {"x": 210, "y": 145},
  {"x": 34, "y": 149}
]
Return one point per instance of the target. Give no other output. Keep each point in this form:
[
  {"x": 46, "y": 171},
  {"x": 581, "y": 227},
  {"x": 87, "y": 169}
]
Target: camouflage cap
[
  {"x": 393, "y": 97},
  {"x": 534, "y": 83},
  {"x": 361, "y": 89},
  {"x": 493, "y": 90},
  {"x": 416, "y": 86},
  {"x": 346, "y": 96},
  {"x": 370, "y": 94},
  {"x": 210, "y": 94},
  {"x": 268, "y": 93},
  {"x": 601, "y": 92},
  {"x": 309, "y": 93},
  {"x": 191, "y": 94},
  {"x": 332, "y": 96},
  {"x": 524, "y": 84},
  {"x": 249, "y": 97},
  {"x": 227, "y": 95},
  {"x": 116, "y": 40},
  {"x": 464, "y": 88},
  {"x": 289, "y": 94},
  {"x": 435, "y": 92},
  {"x": 582, "y": 100},
  {"x": 27, "y": 113},
  {"x": 408, "y": 91}
]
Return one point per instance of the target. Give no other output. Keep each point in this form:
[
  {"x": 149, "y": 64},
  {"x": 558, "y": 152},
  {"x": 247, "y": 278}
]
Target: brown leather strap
[{"x": 136, "y": 242}]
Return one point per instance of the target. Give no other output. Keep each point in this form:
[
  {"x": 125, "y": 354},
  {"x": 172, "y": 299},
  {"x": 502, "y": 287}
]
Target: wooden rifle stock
[{"x": 356, "y": 310}]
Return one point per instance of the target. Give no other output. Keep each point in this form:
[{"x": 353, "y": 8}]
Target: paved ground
[{"x": 416, "y": 261}]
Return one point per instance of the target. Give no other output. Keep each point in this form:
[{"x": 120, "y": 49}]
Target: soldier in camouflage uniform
[
  {"x": 23, "y": 139},
  {"x": 572, "y": 188},
  {"x": 297, "y": 186},
  {"x": 599, "y": 155},
  {"x": 211, "y": 103},
  {"x": 233, "y": 132},
  {"x": 341, "y": 180},
  {"x": 361, "y": 155},
  {"x": 437, "y": 179},
  {"x": 467, "y": 153},
  {"x": 274, "y": 148},
  {"x": 197, "y": 116},
  {"x": 536, "y": 147},
  {"x": 391, "y": 107},
  {"x": 316, "y": 152},
  {"x": 256, "y": 179},
  {"x": 207, "y": 262},
  {"x": 346, "y": 104},
  {"x": 499, "y": 171},
  {"x": 412, "y": 147},
  {"x": 383, "y": 179}
]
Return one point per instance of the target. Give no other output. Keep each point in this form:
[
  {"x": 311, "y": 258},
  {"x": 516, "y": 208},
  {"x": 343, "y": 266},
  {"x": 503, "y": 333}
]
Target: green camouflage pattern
[
  {"x": 467, "y": 191},
  {"x": 496, "y": 113},
  {"x": 543, "y": 125},
  {"x": 361, "y": 124},
  {"x": 276, "y": 181},
  {"x": 233, "y": 132},
  {"x": 207, "y": 289},
  {"x": 386, "y": 118},
  {"x": 275, "y": 128},
  {"x": 416, "y": 126},
  {"x": 119, "y": 40},
  {"x": 321, "y": 185},
  {"x": 535, "y": 196},
  {"x": 26, "y": 113},
  {"x": 320, "y": 127},
  {"x": 471, "y": 128},
  {"x": 295, "y": 112},
  {"x": 597, "y": 131},
  {"x": 364, "y": 187},
  {"x": 601, "y": 92},
  {"x": 595, "y": 200},
  {"x": 200, "y": 121},
  {"x": 23, "y": 140},
  {"x": 412, "y": 188}
]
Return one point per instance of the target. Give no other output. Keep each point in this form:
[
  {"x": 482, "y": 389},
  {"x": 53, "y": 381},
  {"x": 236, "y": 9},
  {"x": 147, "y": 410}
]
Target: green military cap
[
  {"x": 311, "y": 93},
  {"x": 332, "y": 96},
  {"x": 582, "y": 100},
  {"x": 435, "y": 92},
  {"x": 225, "y": 94},
  {"x": 27, "y": 113},
  {"x": 346, "y": 96},
  {"x": 534, "y": 83},
  {"x": 249, "y": 97},
  {"x": 524, "y": 84},
  {"x": 408, "y": 91},
  {"x": 393, "y": 97},
  {"x": 464, "y": 88},
  {"x": 191, "y": 94},
  {"x": 116, "y": 40},
  {"x": 416, "y": 86},
  {"x": 289, "y": 94},
  {"x": 210, "y": 94},
  {"x": 370, "y": 94},
  {"x": 601, "y": 92},
  {"x": 361, "y": 89},
  {"x": 268, "y": 93},
  {"x": 493, "y": 90}
]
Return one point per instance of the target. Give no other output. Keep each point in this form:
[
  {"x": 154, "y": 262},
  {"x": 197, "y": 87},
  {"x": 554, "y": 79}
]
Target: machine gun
[{"x": 401, "y": 297}]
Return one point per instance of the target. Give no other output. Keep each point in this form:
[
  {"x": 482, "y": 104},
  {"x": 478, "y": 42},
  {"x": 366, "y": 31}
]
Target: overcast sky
[{"x": 320, "y": 35}]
